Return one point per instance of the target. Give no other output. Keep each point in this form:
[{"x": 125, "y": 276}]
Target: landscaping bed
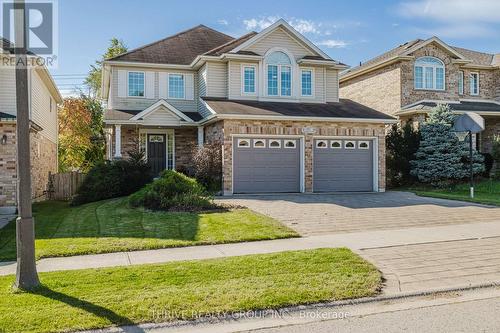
[
  {"x": 113, "y": 226},
  {"x": 96, "y": 298},
  {"x": 486, "y": 192}
]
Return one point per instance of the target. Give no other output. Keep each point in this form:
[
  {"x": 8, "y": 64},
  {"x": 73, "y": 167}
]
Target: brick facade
[
  {"x": 232, "y": 127},
  {"x": 391, "y": 87},
  {"x": 43, "y": 161},
  {"x": 8, "y": 174}
]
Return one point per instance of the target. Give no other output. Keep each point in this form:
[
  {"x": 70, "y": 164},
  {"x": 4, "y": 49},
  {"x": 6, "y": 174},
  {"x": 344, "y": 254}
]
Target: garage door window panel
[
  {"x": 364, "y": 145},
  {"x": 242, "y": 143},
  {"x": 259, "y": 143},
  {"x": 349, "y": 145},
  {"x": 290, "y": 144},
  {"x": 274, "y": 144},
  {"x": 321, "y": 144},
  {"x": 336, "y": 144}
]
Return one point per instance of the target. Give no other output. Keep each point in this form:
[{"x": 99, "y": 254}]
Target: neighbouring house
[
  {"x": 270, "y": 99},
  {"x": 411, "y": 79},
  {"x": 43, "y": 98}
]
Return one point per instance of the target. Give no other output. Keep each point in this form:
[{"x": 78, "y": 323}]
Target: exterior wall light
[{"x": 3, "y": 140}]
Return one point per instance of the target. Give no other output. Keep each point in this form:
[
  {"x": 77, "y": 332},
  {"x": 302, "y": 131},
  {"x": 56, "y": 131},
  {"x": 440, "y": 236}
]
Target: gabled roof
[
  {"x": 473, "y": 57},
  {"x": 180, "y": 49},
  {"x": 143, "y": 114},
  {"x": 281, "y": 23},
  {"x": 481, "y": 107}
]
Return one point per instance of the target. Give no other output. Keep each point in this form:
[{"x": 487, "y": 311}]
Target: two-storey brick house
[
  {"x": 270, "y": 99},
  {"x": 411, "y": 79}
]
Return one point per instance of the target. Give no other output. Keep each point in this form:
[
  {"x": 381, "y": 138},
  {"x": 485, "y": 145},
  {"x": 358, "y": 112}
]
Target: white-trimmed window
[
  {"x": 279, "y": 74},
  {"x": 136, "y": 84},
  {"x": 429, "y": 74},
  {"x": 474, "y": 84},
  {"x": 322, "y": 144},
  {"x": 460, "y": 83},
  {"x": 243, "y": 143},
  {"x": 249, "y": 79},
  {"x": 363, "y": 144},
  {"x": 259, "y": 143},
  {"x": 306, "y": 82},
  {"x": 336, "y": 144},
  {"x": 176, "y": 86},
  {"x": 290, "y": 144},
  {"x": 349, "y": 145},
  {"x": 274, "y": 143}
]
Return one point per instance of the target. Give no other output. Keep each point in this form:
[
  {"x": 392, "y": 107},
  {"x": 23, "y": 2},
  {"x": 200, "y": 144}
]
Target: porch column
[
  {"x": 118, "y": 141},
  {"x": 200, "y": 136}
]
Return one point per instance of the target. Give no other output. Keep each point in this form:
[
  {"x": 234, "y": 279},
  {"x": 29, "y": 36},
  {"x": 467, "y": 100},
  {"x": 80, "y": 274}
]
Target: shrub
[
  {"x": 402, "y": 143},
  {"x": 441, "y": 158},
  {"x": 113, "y": 179},
  {"x": 172, "y": 191},
  {"x": 207, "y": 165},
  {"x": 488, "y": 164}
]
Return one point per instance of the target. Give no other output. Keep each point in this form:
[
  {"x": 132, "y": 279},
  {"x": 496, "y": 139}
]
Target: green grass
[
  {"x": 486, "y": 192},
  {"x": 88, "y": 299},
  {"x": 111, "y": 226}
]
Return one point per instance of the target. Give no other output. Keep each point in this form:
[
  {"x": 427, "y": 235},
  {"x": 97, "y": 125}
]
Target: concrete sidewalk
[{"x": 356, "y": 241}]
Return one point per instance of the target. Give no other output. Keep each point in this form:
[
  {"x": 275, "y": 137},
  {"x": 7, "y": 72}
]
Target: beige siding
[
  {"x": 163, "y": 117},
  {"x": 380, "y": 89},
  {"x": 43, "y": 108},
  {"x": 131, "y": 103},
  {"x": 280, "y": 38},
  {"x": 7, "y": 90},
  {"x": 202, "y": 89},
  {"x": 216, "y": 79},
  {"x": 332, "y": 85}
]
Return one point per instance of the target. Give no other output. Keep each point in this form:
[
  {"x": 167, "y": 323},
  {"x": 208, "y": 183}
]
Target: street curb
[{"x": 267, "y": 313}]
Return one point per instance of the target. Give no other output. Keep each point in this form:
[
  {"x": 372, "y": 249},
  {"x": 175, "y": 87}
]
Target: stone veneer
[
  {"x": 492, "y": 129},
  {"x": 43, "y": 161},
  {"x": 232, "y": 127}
]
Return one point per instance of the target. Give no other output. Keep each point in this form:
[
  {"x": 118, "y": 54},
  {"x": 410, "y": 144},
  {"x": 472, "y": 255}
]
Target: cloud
[
  {"x": 332, "y": 43},
  {"x": 458, "y": 31},
  {"x": 452, "y": 10},
  {"x": 222, "y": 22},
  {"x": 301, "y": 25}
]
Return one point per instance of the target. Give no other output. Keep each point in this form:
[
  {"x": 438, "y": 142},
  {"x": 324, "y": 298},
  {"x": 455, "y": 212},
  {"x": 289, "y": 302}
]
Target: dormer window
[
  {"x": 279, "y": 74},
  {"x": 429, "y": 73}
]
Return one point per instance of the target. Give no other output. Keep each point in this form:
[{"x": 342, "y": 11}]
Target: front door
[{"x": 157, "y": 149}]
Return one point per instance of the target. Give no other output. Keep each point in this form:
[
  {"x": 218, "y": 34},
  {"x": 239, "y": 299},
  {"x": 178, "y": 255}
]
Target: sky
[{"x": 349, "y": 31}]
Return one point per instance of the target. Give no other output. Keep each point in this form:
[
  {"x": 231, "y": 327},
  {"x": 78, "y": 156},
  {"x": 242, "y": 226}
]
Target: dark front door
[{"x": 157, "y": 152}]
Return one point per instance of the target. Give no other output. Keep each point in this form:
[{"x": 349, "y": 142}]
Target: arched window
[
  {"x": 279, "y": 74},
  {"x": 429, "y": 73}
]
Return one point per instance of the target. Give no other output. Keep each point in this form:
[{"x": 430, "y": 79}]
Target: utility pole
[{"x": 26, "y": 275}]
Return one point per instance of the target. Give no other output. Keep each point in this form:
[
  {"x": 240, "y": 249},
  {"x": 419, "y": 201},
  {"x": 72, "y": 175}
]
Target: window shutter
[
  {"x": 122, "y": 83},
  {"x": 163, "y": 85},
  {"x": 189, "y": 86},
  {"x": 150, "y": 85}
]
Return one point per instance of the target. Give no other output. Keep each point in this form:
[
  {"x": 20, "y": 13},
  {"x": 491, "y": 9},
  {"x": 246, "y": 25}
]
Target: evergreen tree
[
  {"x": 441, "y": 157},
  {"x": 402, "y": 143}
]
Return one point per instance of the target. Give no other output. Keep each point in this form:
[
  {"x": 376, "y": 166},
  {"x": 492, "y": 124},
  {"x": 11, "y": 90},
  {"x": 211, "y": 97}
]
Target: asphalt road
[{"x": 471, "y": 316}]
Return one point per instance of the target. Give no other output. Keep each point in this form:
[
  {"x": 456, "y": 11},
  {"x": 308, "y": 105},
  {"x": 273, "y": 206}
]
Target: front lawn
[
  {"x": 112, "y": 226},
  {"x": 486, "y": 192},
  {"x": 89, "y": 299}
]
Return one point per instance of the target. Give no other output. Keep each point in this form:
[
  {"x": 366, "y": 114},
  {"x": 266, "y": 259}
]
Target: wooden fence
[{"x": 63, "y": 186}]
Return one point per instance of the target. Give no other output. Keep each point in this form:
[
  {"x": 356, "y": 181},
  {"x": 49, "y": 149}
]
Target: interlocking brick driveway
[
  {"x": 316, "y": 214},
  {"x": 438, "y": 265}
]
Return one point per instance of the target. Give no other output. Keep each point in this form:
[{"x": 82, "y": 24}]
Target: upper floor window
[
  {"x": 279, "y": 74},
  {"x": 249, "y": 79},
  {"x": 429, "y": 73},
  {"x": 474, "y": 84},
  {"x": 460, "y": 83},
  {"x": 136, "y": 84},
  {"x": 306, "y": 82},
  {"x": 176, "y": 86}
]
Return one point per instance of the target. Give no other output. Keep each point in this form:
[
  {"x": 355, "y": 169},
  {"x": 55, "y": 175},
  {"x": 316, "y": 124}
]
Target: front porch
[{"x": 164, "y": 147}]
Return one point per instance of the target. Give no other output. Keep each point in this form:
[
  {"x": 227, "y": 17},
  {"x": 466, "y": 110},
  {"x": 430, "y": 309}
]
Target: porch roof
[
  {"x": 481, "y": 107},
  {"x": 120, "y": 114},
  {"x": 345, "y": 108}
]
